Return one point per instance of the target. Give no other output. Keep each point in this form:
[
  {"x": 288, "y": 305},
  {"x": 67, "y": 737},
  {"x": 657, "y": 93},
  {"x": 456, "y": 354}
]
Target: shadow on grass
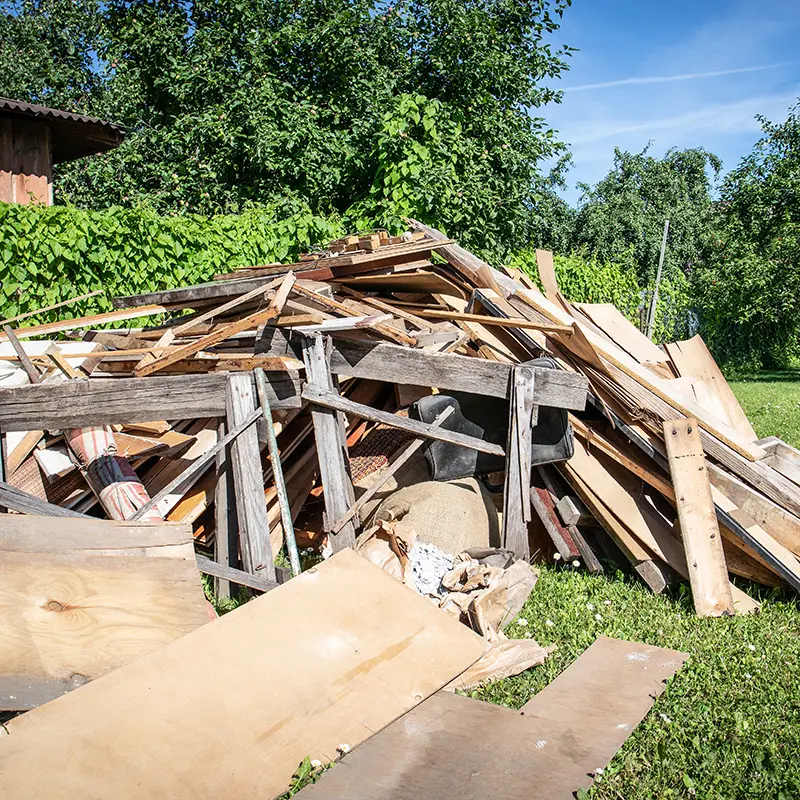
[{"x": 770, "y": 376}]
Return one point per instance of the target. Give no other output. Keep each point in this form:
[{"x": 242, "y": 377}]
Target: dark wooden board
[
  {"x": 456, "y": 748},
  {"x": 79, "y": 404}
]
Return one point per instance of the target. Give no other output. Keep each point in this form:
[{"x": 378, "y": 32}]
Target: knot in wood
[{"x": 54, "y": 605}]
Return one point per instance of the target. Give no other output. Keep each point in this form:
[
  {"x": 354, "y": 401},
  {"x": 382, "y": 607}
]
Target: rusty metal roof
[{"x": 73, "y": 135}]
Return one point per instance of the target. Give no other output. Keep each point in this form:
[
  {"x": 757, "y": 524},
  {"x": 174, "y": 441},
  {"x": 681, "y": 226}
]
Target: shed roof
[{"x": 73, "y": 135}]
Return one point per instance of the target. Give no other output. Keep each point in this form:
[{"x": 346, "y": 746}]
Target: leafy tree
[
  {"x": 625, "y": 211},
  {"x": 750, "y": 288},
  {"x": 417, "y": 105}
]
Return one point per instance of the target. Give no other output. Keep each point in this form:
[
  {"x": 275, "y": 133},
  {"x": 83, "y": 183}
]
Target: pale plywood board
[
  {"x": 457, "y": 748},
  {"x": 231, "y": 709},
  {"x": 702, "y": 542},
  {"x": 82, "y": 597},
  {"x": 622, "y": 332},
  {"x": 692, "y": 359}
]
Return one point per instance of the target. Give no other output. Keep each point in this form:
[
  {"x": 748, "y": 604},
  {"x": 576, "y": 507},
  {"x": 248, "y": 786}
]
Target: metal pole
[
  {"x": 651, "y": 317},
  {"x": 277, "y": 473}
]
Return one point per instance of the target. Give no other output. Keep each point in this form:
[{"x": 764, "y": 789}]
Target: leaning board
[
  {"x": 82, "y": 597},
  {"x": 231, "y": 709}
]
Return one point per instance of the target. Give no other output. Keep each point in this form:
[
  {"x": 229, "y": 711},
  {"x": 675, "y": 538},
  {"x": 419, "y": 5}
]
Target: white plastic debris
[{"x": 429, "y": 565}]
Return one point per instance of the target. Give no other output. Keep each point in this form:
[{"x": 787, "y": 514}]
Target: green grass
[
  {"x": 772, "y": 401},
  {"x": 728, "y": 725}
]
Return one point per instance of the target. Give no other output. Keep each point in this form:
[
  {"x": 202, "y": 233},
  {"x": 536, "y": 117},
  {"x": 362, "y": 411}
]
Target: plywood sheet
[
  {"x": 692, "y": 359},
  {"x": 80, "y": 598},
  {"x": 456, "y": 748},
  {"x": 231, "y": 709}
]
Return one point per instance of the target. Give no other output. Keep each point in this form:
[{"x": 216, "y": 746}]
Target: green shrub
[{"x": 50, "y": 254}]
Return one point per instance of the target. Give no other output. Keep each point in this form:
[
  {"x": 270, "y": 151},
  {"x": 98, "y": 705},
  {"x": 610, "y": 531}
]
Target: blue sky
[{"x": 682, "y": 74}]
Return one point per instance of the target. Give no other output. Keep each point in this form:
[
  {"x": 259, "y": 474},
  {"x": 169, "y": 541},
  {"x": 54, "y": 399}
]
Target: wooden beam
[
  {"x": 53, "y": 307},
  {"x": 33, "y": 374},
  {"x": 104, "y": 401},
  {"x": 233, "y": 575},
  {"x": 428, "y": 430},
  {"x": 248, "y": 479},
  {"x": 329, "y": 433},
  {"x": 705, "y": 558},
  {"x": 17, "y": 500},
  {"x": 483, "y": 319}
]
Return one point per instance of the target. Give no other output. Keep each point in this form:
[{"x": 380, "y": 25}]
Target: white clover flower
[
  {"x": 590, "y": 606},
  {"x": 576, "y": 563},
  {"x": 748, "y": 675},
  {"x": 549, "y": 623},
  {"x": 522, "y": 621},
  {"x": 598, "y": 617},
  {"x": 751, "y": 647},
  {"x": 665, "y": 718},
  {"x": 556, "y": 556},
  {"x": 606, "y": 602},
  {"x": 598, "y": 771}
]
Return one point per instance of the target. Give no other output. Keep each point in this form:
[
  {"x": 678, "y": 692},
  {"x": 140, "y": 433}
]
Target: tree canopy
[{"x": 417, "y": 106}]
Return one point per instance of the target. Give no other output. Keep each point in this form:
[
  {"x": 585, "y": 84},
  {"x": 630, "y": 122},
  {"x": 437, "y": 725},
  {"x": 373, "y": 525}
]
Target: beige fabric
[{"x": 455, "y": 516}]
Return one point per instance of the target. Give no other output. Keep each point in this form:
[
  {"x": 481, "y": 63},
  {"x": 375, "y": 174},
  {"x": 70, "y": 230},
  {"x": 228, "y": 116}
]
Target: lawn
[
  {"x": 728, "y": 725},
  {"x": 772, "y": 401}
]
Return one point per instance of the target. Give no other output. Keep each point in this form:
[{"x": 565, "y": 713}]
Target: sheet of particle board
[
  {"x": 81, "y": 597},
  {"x": 231, "y": 709},
  {"x": 456, "y": 748}
]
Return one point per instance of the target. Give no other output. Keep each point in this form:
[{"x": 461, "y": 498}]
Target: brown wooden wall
[{"x": 26, "y": 168}]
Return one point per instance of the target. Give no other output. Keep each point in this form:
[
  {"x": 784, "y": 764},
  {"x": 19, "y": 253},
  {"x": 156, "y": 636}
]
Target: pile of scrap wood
[
  {"x": 277, "y": 406},
  {"x": 385, "y": 399}
]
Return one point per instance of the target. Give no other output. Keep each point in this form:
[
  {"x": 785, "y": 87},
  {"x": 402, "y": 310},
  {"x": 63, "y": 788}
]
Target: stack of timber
[{"x": 247, "y": 406}]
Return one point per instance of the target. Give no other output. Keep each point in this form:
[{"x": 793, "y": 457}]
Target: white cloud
[{"x": 670, "y": 78}]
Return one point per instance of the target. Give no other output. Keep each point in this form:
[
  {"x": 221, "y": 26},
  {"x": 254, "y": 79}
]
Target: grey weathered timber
[
  {"x": 329, "y": 432},
  {"x": 428, "y": 430},
  {"x": 33, "y": 374},
  {"x": 17, "y": 500},
  {"x": 21, "y": 693},
  {"x": 277, "y": 473},
  {"x": 188, "y": 295},
  {"x": 516, "y": 494},
  {"x": 248, "y": 479},
  {"x": 192, "y": 473},
  {"x": 233, "y": 575},
  {"x": 223, "y": 512},
  {"x": 409, "y": 451},
  {"x": 81, "y": 404},
  {"x": 358, "y": 358}
]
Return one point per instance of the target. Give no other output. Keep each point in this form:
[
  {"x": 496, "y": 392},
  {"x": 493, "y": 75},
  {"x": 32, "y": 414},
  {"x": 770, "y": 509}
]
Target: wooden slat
[
  {"x": 700, "y": 533},
  {"x": 103, "y": 401},
  {"x": 248, "y": 480},
  {"x": 17, "y": 500},
  {"x": 50, "y": 328},
  {"x": 287, "y": 676},
  {"x": 429, "y": 430},
  {"x": 329, "y": 434}
]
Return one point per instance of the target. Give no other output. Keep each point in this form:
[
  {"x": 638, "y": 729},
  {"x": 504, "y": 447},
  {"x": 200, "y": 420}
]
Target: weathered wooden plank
[
  {"x": 233, "y": 575},
  {"x": 429, "y": 430},
  {"x": 516, "y": 492},
  {"x": 104, "y": 401},
  {"x": 248, "y": 479},
  {"x": 702, "y": 542},
  {"x": 33, "y": 374},
  {"x": 329, "y": 433},
  {"x": 17, "y": 500}
]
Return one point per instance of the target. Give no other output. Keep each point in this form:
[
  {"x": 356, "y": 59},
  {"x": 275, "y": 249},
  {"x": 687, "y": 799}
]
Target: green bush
[
  {"x": 583, "y": 278},
  {"x": 50, "y": 254}
]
